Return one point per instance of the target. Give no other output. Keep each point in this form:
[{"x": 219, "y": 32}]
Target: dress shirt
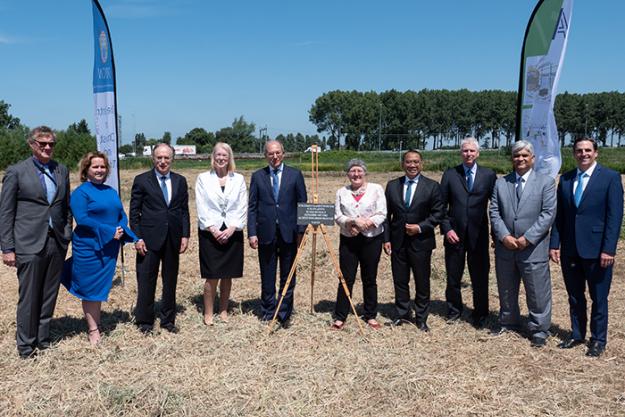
[
  {"x": 211, "y": 201},
  {"x": 525, "y": 177},
  {"x": 167, "y": 182},
  {"x": 371, "y": 205},
  {"x": 588, "y": 173},
  {"x": 415, "y": 181}
]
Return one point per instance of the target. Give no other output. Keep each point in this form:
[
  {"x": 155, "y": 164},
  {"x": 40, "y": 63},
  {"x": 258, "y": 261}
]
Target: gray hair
[
  {"x": 355, "y": 163},
  {"x": 470, "y": 140},
  {"x": 519, "y": 145}
]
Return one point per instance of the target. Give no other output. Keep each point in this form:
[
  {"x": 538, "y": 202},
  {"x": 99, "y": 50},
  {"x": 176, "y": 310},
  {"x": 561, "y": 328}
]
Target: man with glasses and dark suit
[{"x": 35, "y": 229}]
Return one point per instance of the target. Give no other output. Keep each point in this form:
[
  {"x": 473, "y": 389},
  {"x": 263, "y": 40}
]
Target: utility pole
[
  {"x": 380, "y": 129},
  {"x": 262, "y": 136}
]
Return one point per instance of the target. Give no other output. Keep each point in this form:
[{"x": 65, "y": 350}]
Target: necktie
[
  {"x": 579, "y": 191},
  {"x": 408, "y": 193},
  {"x": 519, "y": 188},
  {"x": 164, "y": 189},
  {"x": 276, "y": 184},
  {"x": 50, "y": 185},
  {"x": 469, "y": 180}
]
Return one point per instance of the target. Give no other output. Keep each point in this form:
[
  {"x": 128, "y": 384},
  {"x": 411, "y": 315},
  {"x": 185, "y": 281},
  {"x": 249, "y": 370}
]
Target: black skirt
[{"x": 219, "y": 261}]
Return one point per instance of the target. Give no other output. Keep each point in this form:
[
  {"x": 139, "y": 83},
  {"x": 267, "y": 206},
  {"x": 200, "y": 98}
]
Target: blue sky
[{"x": 202, "y": 63}]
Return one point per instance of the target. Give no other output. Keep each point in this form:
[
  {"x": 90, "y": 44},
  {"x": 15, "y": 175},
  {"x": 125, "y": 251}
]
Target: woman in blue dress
[{"x": 101, "y": 225}]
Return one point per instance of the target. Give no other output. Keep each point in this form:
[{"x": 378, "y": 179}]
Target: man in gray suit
[
  {"x": 522, "y": 209},
  {"x": 35, "y": 229}
]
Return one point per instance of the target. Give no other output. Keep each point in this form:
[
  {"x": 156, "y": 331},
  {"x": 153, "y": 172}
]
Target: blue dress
[{"x": 97, "y": 211}]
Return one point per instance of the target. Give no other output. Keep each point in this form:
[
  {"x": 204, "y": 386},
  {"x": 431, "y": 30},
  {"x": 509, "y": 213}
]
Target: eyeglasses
[{"x": 42, "y": 145}]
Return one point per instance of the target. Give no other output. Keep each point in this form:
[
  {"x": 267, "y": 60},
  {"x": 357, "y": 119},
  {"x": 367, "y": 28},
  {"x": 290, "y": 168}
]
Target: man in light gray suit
[
  {"x": 35, "y": 228},
  {"x": 522, "y": 209}
]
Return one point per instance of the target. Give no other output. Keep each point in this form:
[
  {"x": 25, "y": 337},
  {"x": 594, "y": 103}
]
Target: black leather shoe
[
  {"x": 501, "y": 331},
  {"x": 285, "y": 324},
  {"x": 397, "y": 322},
  {"x": 570, "y": 343},
  {"x": 423, "y": 326},
  {"x": 146, "y": 329},
  {"x": 479, "y": 322},
  {"x": 595, "y": 349},
  {"x": 27, "y": 355},
  {"x": 538, "y": 341},
  {"x": 171, "y": 328},
  {"x": 452, "y": 318}
]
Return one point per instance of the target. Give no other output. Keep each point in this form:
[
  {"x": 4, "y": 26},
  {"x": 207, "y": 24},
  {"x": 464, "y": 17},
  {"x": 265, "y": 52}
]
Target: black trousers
[
  {"x": 353, "y": 251},
  {"x": 147, "y": 274},
  {"x": 479, "y": 266},
  {"x": 268, "y": 256},
  {"x": 39, "y": 276},
  {"x": 404, "y": 260}
]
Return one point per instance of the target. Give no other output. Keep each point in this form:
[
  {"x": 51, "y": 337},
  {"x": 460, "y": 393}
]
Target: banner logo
[
  {"x": 104, "y": 47},
  {"x": 562, "y": 27}
]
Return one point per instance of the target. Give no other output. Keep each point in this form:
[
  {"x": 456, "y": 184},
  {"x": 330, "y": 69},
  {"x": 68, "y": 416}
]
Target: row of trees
[
  {"x": 72, "y": 143},
  {"x": 240, "y": 136},
  {"x": 441, "y": 118},
  {"x": 370, "y": 121}
]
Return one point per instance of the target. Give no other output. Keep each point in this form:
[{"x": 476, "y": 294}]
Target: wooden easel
[{"x": 314, "y": 229}]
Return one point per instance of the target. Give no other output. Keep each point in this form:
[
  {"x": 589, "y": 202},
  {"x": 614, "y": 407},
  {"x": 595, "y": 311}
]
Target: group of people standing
[{"x": 584, "y": 217}]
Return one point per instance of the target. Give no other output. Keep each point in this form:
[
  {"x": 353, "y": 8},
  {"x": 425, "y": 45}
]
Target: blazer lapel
[
  {"x": 35, "y": 175},
  {"x": 157, "y": 187},
  {"x": 463, "y": 178},
  {"x": 57, "y": 179},
  {"x": 511, "y": 185}
]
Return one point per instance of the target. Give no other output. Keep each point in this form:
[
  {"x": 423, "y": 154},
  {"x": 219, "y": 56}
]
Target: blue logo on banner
[
  {"x": 103, "y": 76},
  {"x": 562, "y": 25}
]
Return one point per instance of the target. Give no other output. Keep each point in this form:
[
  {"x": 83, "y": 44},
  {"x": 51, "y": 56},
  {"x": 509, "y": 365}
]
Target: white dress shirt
[
  {"x": 372, "y": 205},
  {"x": 586, "y": 178},
  {"x": 215, "y": 207},
  {"x": 415, "y": 181}
]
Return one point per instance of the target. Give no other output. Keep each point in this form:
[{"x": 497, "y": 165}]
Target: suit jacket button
[{"x": 277, "y": 205}]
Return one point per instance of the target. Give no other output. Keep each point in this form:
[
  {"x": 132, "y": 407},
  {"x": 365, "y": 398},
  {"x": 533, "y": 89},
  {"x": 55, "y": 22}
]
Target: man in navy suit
[
  {"x": 159, "y": 215},
  {"x": 272, "y": 227},
  {"x": 466, "y": 189},
  {"x": 583, "y": 241}
]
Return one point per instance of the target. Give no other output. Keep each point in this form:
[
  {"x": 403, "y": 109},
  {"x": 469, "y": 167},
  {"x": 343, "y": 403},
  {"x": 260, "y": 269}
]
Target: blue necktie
[
  {"x": 50, "y": 185},
  {"x": 276, "y": 184},
  {"x": 579, "y": 191},
  {"x": 469, "y": 180},
  {"x": 164, "y": 189},
  {"x": 408, "y": 193}
]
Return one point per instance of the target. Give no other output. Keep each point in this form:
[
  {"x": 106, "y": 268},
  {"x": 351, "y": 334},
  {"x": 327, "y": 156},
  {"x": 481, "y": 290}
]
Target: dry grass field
[{"x": 237, "y": 369}]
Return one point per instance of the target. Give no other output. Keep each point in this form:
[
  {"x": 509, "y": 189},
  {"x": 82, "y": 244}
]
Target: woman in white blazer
[{"x": 221, "y": 199}]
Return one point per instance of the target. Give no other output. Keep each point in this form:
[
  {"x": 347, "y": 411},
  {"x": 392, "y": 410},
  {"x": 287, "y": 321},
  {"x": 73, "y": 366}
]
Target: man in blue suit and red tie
[
  {"x": 272, "y": 227},
  {"x": 583, "y": 241}
]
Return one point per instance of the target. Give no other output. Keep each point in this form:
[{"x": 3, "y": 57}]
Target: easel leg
[
  {"x": 312, "y": 270},
  {"x": 300, "y": 249}
]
